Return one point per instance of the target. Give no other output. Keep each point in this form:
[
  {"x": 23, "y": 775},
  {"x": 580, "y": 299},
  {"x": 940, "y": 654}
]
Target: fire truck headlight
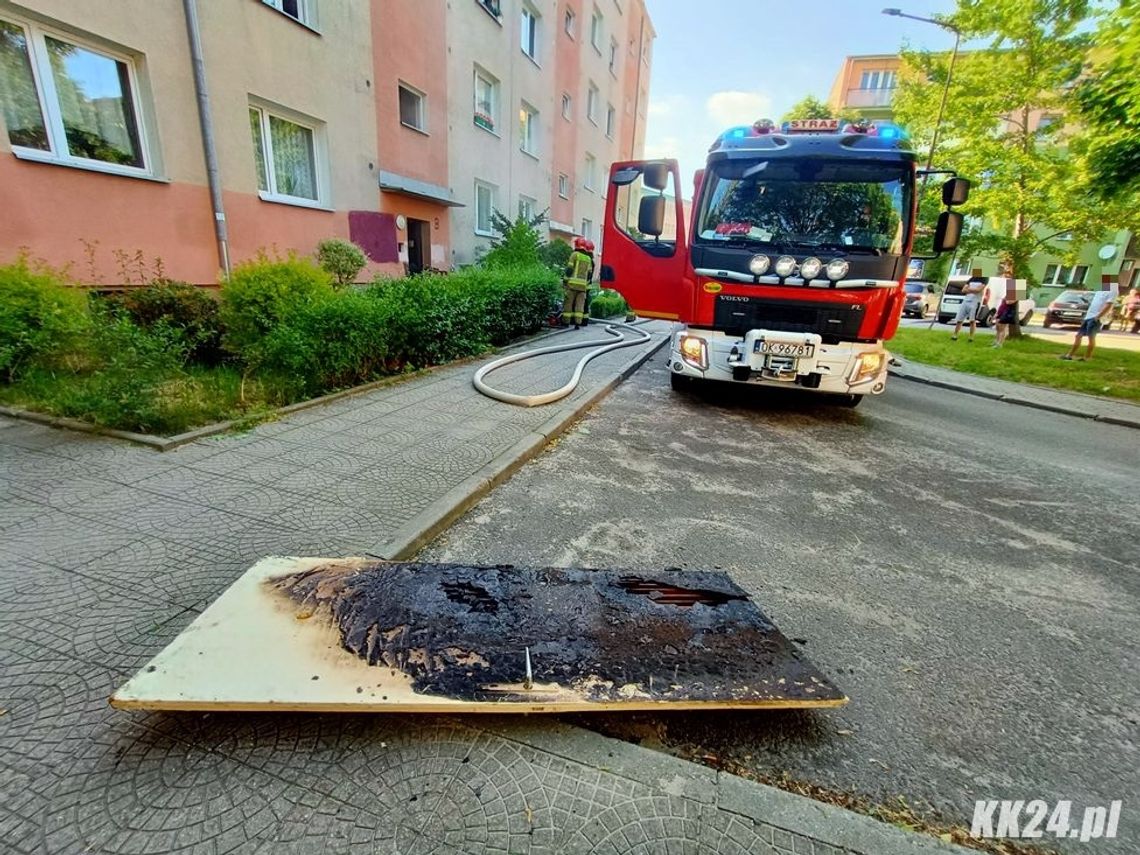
[
  {"x": 867, "y": 366},
  {"x": 695, "y": 351},
  {"x": 785, "y": 266},
  {"x": 810, "y": 268},
  {"x": 759, "y": 264},
  {"x": 836, "y": 269}
]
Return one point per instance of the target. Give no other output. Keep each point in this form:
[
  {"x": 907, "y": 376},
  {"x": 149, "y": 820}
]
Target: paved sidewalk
[
  {"x": 1069, "y": 403},
  {"x": 108, "y": 550}
]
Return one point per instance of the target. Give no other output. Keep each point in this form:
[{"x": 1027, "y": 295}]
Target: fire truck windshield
[{"x": 828, "y": 204}]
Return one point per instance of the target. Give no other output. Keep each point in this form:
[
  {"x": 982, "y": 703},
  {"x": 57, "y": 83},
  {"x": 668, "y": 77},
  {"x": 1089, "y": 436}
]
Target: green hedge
[
  {"x": 40, "y": 316},
  {"x": 608, "y": 303},
  {"x": 191, "y": 312}
]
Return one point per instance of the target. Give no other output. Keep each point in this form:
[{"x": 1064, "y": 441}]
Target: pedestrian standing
[
  {"x": 1132, "y": 309},
  {"x": 1100, "y": 308},
  {"x": 579, "y": 269},
  {"x": 1007, "y": 314},
  {"x": 972, "y": 297}
]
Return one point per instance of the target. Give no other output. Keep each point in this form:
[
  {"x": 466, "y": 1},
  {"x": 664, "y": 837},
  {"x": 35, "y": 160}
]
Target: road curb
[
  {"x": 421, "y": 529},
  {"x": 1021, "y": 402},
  {"x": 797, "y": 823}
]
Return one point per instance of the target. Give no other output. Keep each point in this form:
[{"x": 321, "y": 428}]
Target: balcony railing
[{"x": 869, "y": 97}]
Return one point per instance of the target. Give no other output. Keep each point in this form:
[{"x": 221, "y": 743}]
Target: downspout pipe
[{"x": 213, "y": 178}]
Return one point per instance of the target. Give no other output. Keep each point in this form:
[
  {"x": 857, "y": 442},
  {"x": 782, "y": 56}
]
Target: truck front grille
[{"x": 834, "y": 322}]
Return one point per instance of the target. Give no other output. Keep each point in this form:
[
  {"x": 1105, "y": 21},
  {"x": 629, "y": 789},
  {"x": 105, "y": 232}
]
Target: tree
[
  {"x": 810, "y": 107},
  {"x": 1109, "y": 100},
  {"x": 1030, "y": 176}
]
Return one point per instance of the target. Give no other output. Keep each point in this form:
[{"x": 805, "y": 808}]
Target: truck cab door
[{"x": 645, "y": 253}]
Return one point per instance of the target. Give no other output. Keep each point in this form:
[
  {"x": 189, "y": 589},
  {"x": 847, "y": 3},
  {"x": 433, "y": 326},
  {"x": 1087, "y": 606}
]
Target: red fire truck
[{"x": 791, "y": 270}]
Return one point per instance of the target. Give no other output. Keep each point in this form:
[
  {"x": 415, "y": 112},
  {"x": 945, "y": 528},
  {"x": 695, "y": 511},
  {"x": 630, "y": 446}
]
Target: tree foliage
[
  {"x": 810, "y": 107},
  {"x": 1031, "y": 182},
  {"x": 1109, "y": 101}
]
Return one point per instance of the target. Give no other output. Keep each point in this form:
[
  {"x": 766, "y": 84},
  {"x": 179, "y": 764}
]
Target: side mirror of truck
[
  {"x": 955, "y": 191},
  {"x": 948, "y": 231},
  {"x": 656, "y": 176},
  {"x": 651, "y": 216}
]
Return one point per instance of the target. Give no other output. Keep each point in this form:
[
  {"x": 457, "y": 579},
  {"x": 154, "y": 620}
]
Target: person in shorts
[
  {"x": 968, "y": 308},
  {"x": 1006, "y": 315},
  {"x": 1100, "y": 309}
]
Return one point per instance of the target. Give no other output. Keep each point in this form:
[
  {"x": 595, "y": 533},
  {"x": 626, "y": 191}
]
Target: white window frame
[
  {"x": 615, "y": 50},
  {"x": 570, "y": 23},
  {"x": 611, "y": 120},
  {"x": 1068, "y": 280},
  {"x": 52, "y": 114},
  {"x": 593, "y": 96},
  {"x": 587, "y": 228},
  {"x": 306, "y": 8},
  {"x": 487, "y": 77},
  {"x": 527, "y": 207},
  {"x": 563, "y": 185},
  {"x": 597, "y": 23},
  {"x": 492, "y": 192},
  {"x": 532, "y": 129},
  {"x": 529, "y": 13},
  {"x": 422, "y": 127},
  {"x": 567, "y": 106},
  {"x": 591, "y": 177},
  {"x": 320, "y": 156}
]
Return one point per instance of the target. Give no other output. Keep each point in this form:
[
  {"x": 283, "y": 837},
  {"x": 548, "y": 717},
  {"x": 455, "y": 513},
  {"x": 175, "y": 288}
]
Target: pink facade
[{"x": 567, "y": 73}]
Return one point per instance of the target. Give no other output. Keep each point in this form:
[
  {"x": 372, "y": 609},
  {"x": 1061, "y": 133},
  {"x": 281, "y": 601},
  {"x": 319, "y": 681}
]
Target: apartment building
[
  {"x": 866, "y": 85},
  {"x": 400, "y": 125}
]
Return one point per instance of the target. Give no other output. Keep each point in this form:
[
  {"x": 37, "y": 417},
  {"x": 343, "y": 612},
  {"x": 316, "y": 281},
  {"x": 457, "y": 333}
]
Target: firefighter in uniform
[{"x": 579, "y": 269}]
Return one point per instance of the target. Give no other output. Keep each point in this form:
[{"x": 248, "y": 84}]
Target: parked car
[
  {"x": 992, "y": 298},
  {"x": 1068, "y": 308},
  {"x": 921, "y": 299}
]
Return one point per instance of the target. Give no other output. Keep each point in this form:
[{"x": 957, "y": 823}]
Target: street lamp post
[{"x": 899, "y": 13}]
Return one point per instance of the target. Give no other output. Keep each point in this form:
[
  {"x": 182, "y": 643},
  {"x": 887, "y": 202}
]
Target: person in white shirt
[
  {"x": 1100, "y": 308},
  {"x": 972, "y": 295}
]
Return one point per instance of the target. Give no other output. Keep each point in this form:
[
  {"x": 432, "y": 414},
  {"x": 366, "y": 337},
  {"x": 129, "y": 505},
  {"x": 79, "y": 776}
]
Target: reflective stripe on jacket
[{"x": 578, "y": 270}]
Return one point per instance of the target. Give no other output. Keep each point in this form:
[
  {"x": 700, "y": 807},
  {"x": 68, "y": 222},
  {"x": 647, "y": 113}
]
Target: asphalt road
[{"x": 965, "y": 569}]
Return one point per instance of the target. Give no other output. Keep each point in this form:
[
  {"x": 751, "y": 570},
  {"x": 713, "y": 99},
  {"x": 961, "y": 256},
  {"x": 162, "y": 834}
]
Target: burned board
[{"x": 358, "y": 635}]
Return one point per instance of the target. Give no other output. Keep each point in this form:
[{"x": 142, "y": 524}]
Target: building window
[
  {"x": 484, "y": 206},
  {"x": 486, "y": 100},
  {"x": 568, "y": 22},
  {"x": 528, "y": 129},
  {"x": 567, "y": 106},
  {"x": 286, "y": 156},
  {"x": 530, "y": 32},
  {"x": 596, "y": 22},
  {"x": 70, "y": 103},
  {"x": 592, "y": 96},
  {"x": 563, "y": 185},
  {"x": 526, "y": 208},
  {"x": 877, "y": 80},
  {"x": 611, "y": 120},
  {"x": 591, "y": 178},
  {"x": 492, "y": 7},
  {"x": 413, "y": 109},
  {"x": 645, "y": 52},
  {"x": 587, "y": 229},
  {"x": 1057, "y": 275},
  {"x": 613, "y": 56},
  {"x": 303, "y": 11}
]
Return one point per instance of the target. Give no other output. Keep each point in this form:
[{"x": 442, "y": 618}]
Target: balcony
[{"x": 869, "y": 97}]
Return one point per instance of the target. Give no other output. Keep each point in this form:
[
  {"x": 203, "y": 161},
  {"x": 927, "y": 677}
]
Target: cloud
[
  {"x": 668, "y": 105},
  {"x": 737, "y": 108}
]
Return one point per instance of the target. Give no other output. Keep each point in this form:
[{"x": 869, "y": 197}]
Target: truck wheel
[
  {"x": 680, "y": 383},
  {"x": 851, "y": 401}
]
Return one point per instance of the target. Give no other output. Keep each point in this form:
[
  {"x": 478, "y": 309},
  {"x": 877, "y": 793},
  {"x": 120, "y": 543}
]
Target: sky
[{"x": 719, "y": 63}]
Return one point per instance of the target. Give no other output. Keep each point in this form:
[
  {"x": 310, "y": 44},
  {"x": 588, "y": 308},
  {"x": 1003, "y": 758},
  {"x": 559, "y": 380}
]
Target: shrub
[
  {"x": 260, "y": 294},
  {"x": 517, "y": 242},
  {"x": 608, "y": 303},
  {"x": 555, "y": 255},
  {"x": 341, "y": 259},
  {"x": 189, "y": 310},
  {"x": 39, "y": 316},
  {"x": 138, "y": 370}
]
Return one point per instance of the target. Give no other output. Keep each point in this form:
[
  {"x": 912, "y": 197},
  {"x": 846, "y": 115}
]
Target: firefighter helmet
[
  {"x": 580, "y": 243},
  {"x": 589, "y": 245}
]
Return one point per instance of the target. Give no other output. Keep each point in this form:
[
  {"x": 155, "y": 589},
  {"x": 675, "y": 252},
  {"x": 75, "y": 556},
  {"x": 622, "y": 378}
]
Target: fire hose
[{"x": 603, "y": 346}]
